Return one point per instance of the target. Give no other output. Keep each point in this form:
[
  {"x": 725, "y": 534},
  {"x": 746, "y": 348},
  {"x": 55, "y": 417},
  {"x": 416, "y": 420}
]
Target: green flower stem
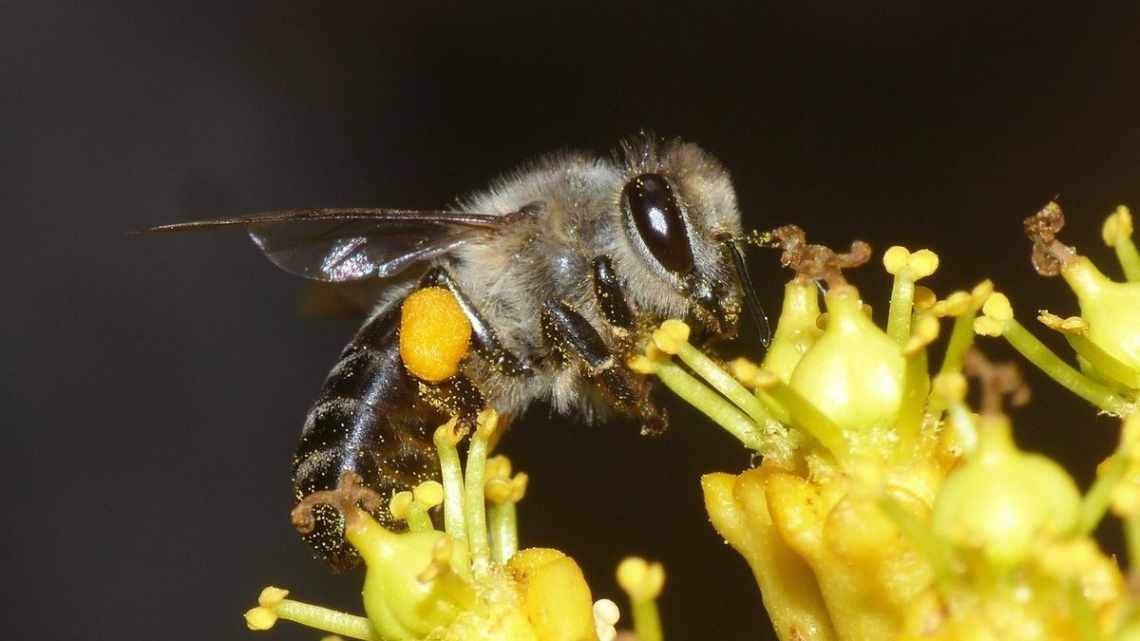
[
  {"x": 713, "y": 405},
  {"x": 504, "y": 531},
  {"x": 724, "y": 383},
  {"x": 1104, "y": 363},
  {"x": 1099, "y": 496},
  {"x": 961, "y": 339},
  {"x": 1041, "y": 356},
  {"x": 902, "y": 303},
  {"x": 418, "y": 519},
  {"x": 916, "y": 391},
  {"x": 454, "y": 521},
  {"x": 1129, "y": 258},
  {"x": 474, "y": 505},
  {"x": 646, "y": 620},
  {"x": 936, "y": 552},
  {"x": 334, "y": 621},
  {"x": 808, "y": 418}
]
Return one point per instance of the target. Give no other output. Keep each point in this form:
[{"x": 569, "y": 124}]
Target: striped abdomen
[{"x": 375, "y": 419}]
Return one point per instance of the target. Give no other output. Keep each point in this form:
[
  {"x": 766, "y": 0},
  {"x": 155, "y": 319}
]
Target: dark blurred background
[{"x": 154, "y": 387}]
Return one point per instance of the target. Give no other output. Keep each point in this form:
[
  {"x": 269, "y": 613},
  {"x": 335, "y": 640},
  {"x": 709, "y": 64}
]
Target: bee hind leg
[
  {"x": 487, "y": 342},
  {"x": 576, "y": 341}
]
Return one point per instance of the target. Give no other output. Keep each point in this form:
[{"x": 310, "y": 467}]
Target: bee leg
[
  {"x": 577, "y": 341},
  {"x": 611, "y": 298},
  {"x": 486, "y": 341}
]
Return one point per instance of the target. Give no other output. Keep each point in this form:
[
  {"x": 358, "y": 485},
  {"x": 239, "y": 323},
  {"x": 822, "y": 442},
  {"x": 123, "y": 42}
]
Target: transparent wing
[{"x": 337, "y": 245}]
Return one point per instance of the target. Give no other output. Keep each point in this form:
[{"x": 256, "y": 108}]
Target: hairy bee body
[{"x": 563, "y": 270}]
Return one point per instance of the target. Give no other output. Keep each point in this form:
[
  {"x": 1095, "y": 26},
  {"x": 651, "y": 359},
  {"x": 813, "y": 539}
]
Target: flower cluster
[
  {"x": 885, "y": 507},
  {"x": 468, "y": 582}
]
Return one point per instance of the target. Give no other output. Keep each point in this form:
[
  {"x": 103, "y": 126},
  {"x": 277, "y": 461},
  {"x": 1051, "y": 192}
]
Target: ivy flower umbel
[{"x": 883, "y": 507}]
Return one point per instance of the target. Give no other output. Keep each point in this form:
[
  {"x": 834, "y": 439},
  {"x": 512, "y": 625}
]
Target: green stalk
[
  {"x": 724, "y": 383},
  {"x": 916, "y": 391},
  {"x": 808, "y": 418},
  {"x": 418, "y": 519},
  {"x": 646, "y": 620},
  {"x": 1099, "y": 496},
  {"x": 961, "y": 339},
  {"x": 504, "y": 531},
  {"x": 314, "y": 616},
  {"x": 1129, "y": 258},
  {"x": 454, "y": 521},
  {"x": 902, "y": 303},
  {"x": 1058, "y": 370},
  {"x": 474, "y": 505},
  {"x": 710, "y": 403}
]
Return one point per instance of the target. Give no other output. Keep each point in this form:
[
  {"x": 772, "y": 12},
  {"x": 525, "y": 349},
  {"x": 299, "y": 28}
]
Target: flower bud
[
  {"x": 854, "y": 373},
  {"x": 1111, "y": 309},
  {"x": 1003, "y": 500}
]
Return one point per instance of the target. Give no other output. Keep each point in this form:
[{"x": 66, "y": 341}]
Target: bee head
[{"x": 680, "y": 215}]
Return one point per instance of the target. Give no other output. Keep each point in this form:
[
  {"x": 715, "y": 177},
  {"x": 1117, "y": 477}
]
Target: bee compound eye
[{"x": 657, "y": 218}]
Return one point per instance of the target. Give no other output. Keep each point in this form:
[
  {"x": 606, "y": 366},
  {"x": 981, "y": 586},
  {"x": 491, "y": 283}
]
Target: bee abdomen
[{"x": 368, "y": 419}]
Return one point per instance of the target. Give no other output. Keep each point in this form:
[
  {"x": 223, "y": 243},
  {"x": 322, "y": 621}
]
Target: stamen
[
  {"x": 273, "y": 605},
  {"x": 643, "y": 582},
  {"x": 1117, "y": 233}
]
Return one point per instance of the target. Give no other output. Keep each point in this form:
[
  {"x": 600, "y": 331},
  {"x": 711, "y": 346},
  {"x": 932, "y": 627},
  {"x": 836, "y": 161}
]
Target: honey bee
[{"x": 563, "y": 269}]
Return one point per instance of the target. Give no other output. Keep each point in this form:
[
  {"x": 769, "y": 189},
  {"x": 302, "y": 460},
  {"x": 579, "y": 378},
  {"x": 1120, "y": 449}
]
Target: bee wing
[{"x": 337, "y": 245}]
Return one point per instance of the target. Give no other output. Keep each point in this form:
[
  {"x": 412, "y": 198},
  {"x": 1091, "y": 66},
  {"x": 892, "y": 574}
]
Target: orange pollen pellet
[{"x": 434, "y": 334}]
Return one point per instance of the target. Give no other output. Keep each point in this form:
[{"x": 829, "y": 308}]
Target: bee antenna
[{"x": 755, "y": 309}]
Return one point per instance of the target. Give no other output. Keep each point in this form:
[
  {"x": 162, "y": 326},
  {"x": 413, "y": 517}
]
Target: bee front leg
[
  {"x": 611, "y": 298},
  {"x": 486, "y": 340},
  {"x": 577, "y": 341}
]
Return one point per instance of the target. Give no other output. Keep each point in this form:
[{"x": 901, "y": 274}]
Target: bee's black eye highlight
[{"x": 657, "y": 218}]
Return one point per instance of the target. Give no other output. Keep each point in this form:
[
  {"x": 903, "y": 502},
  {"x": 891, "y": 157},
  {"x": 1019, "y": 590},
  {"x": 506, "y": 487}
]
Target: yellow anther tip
[
  {"x": 924, "y": 332},
  {"x": 498, "y": 490},
  {"x": 1073, "y": 325},
  {"x": 955, "y": 304},
  {"x": 448, "y": 434},
  {"x": 486, "y": 423},
  {"x": 271, "y": 596},
  {"x": 399, "y": 505},
  {"x": 895, "y": 259},
  {"x": 987, "y": 326},
  {"x": 1117, "y": 227},
  {"x": 428, "y": 493},
  {"x": 982, "y": 292},
  {"x": 997, "y": 307},
  {"x": 518, "y": 485},
  {"x": 950, "y": 386},
  {"x": 743, "y": 370},
  {"x": 642, "y": 364},
  {"x": 923, "y": 263},
  {"x": 641, "y": 580},
  {"x": 671, "y": 335},
  {"x": 498, "y": 467},
  {"x": 260, "y": 618},
  {"x": 924, "y": 298}
]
